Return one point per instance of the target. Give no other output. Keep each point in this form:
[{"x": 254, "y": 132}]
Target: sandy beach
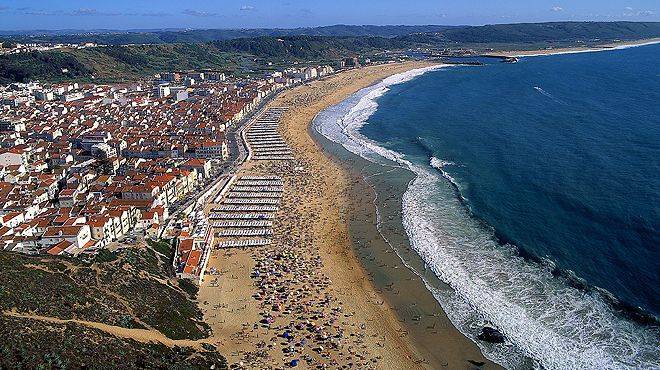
[
  {"x": 306, "y": 299},
  {"x": 574, "y": 50}
]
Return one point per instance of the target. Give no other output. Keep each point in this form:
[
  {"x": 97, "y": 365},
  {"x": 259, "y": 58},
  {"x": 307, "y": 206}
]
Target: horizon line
[{"x": 137, "y": 30}]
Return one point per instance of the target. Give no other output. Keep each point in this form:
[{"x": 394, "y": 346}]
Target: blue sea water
[
  {"x": 536, "y": 182},
  {"x": 560, "y": 154}
]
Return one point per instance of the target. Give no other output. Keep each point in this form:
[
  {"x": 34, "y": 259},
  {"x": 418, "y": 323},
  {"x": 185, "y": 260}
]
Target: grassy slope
[
  {"x": 132, "y": 62},
  {"x": 115, "y": 63},
  {"x": 308, "y": 47},
  {"x": 38, "y": 65},
  {"x": 30, "y": 344},
  {"x": 130, "y": 289}
]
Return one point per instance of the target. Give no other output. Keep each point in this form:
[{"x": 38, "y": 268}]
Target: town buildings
[{"x": 85, "y": 166}]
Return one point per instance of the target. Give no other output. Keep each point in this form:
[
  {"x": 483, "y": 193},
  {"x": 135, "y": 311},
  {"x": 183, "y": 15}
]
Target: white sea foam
[
  {"x": 440, "y": 165},
  {"x": 543, "y": 318}
]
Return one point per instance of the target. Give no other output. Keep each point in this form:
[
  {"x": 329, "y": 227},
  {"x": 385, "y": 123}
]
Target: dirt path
[{"x": 140, "y": 335}]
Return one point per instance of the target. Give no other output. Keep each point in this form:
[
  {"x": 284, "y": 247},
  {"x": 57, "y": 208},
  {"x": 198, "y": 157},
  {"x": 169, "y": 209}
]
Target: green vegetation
[
  {"x": 32, "y": 344},
  {"x": 7, "y": 44},
  {"x": 522, "y": 32},
  {"x": 133, "y": 62},
  {"x": 530, "y": 36},
  {"x": 102, "y": 291},
  {"x": 551, "y": 32},
  {"x": 130, "y": 288},
  {"x": 129, "y": 63},
  {"x": 54, "y": 66},
  {"x": 113, "y": 63},
  {"x": 201, "y": 36},
  {"x": 105, "y": 255},
  {"x": 302, "y": 48},
  {"x": 189, "y": 287},
  {"x": 163, "y": 247},
  {"x": 250, "y": 51}
]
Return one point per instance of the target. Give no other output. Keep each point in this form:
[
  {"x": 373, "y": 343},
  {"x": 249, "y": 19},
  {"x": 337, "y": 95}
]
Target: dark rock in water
[
  {"x": 491, "y": 335},
  {"x": 477, "y": 363}
]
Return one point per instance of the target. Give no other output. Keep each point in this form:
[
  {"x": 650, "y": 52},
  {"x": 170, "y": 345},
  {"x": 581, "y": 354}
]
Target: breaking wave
[{"x": 543, "y": 317}]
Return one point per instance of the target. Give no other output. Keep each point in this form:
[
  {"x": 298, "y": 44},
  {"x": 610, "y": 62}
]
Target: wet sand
[{"x": 329, "y": 292}]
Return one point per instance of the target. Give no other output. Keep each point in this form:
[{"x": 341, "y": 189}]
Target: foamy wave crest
[
  {"x": 542, "y": 317},
  {"x": 440, "y": 165},
  {"x": 343, "y": 127},
  {"x": 558, "y": 326}
]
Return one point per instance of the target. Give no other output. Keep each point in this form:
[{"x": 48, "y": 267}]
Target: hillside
[
  {"x": 133, "y": 62},
  {"x": 184, "y": 50},
  {"x": 55, "y": 309},
  {"x": 206, "y": 35},
  {"x": 115, "y": 63},
  {"x": 308, "y": 47},
  {"x": 543, "y": 32},
  {"x": 118, "y": 63},
  {"x": 505, "y": 33}
]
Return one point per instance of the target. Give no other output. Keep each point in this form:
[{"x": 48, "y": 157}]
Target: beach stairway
[
  {"x": 243, "y": 217},
  {"x": 263, "y": 139}
]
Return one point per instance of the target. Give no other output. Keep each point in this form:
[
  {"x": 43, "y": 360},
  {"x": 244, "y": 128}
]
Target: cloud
[
  {"x": 152, "y": 14},
  {"x": 94, "y": 12},
  {"x": 247, "y": 7},
  {"x": 198, "y": 13},
  {"x": 630, "y": 12},
  {"x": 85, "y": 11},
  {"x": 40, "y": 12},
  {"x": 557, "y": 9},
  {"x": 645, "y": 13}
]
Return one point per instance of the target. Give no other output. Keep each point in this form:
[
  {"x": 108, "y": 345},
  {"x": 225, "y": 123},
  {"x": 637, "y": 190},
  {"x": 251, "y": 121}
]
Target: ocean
[{"x": 535, "y": 198}]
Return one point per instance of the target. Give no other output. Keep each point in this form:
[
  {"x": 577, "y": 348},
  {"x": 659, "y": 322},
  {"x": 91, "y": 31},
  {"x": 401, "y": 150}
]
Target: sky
[{"x": 152, "y": 14}]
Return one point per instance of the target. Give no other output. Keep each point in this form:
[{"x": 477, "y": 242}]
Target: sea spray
[{"x": 542, "y": 316}]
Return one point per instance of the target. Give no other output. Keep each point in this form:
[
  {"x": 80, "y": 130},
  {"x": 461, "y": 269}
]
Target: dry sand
[
  {"x": 571, "y": 50},
  {"x": 306, "y": 297}
]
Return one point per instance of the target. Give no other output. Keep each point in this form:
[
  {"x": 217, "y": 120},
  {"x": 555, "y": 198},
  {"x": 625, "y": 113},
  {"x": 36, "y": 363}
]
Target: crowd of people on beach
[{"x": 300, "y": 320}]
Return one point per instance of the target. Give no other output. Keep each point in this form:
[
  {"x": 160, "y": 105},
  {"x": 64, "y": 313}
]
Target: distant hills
[
  {"x": 109, "y": 37},
  {"x": 551, "y": 32},
  {"x": 519, "y": 32},
  {"x": 252, "y": 50}
]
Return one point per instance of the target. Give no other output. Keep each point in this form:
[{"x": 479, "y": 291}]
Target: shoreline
[
  {"x": 385, "y": 275},
  {"x": 355, "y": 120},
  {"x": 379, "y": 327},
  {"x": 577, "y": 50}
]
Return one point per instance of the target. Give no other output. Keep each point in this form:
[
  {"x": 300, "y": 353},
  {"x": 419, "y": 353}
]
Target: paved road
[{"x": 237, "y": 146}]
